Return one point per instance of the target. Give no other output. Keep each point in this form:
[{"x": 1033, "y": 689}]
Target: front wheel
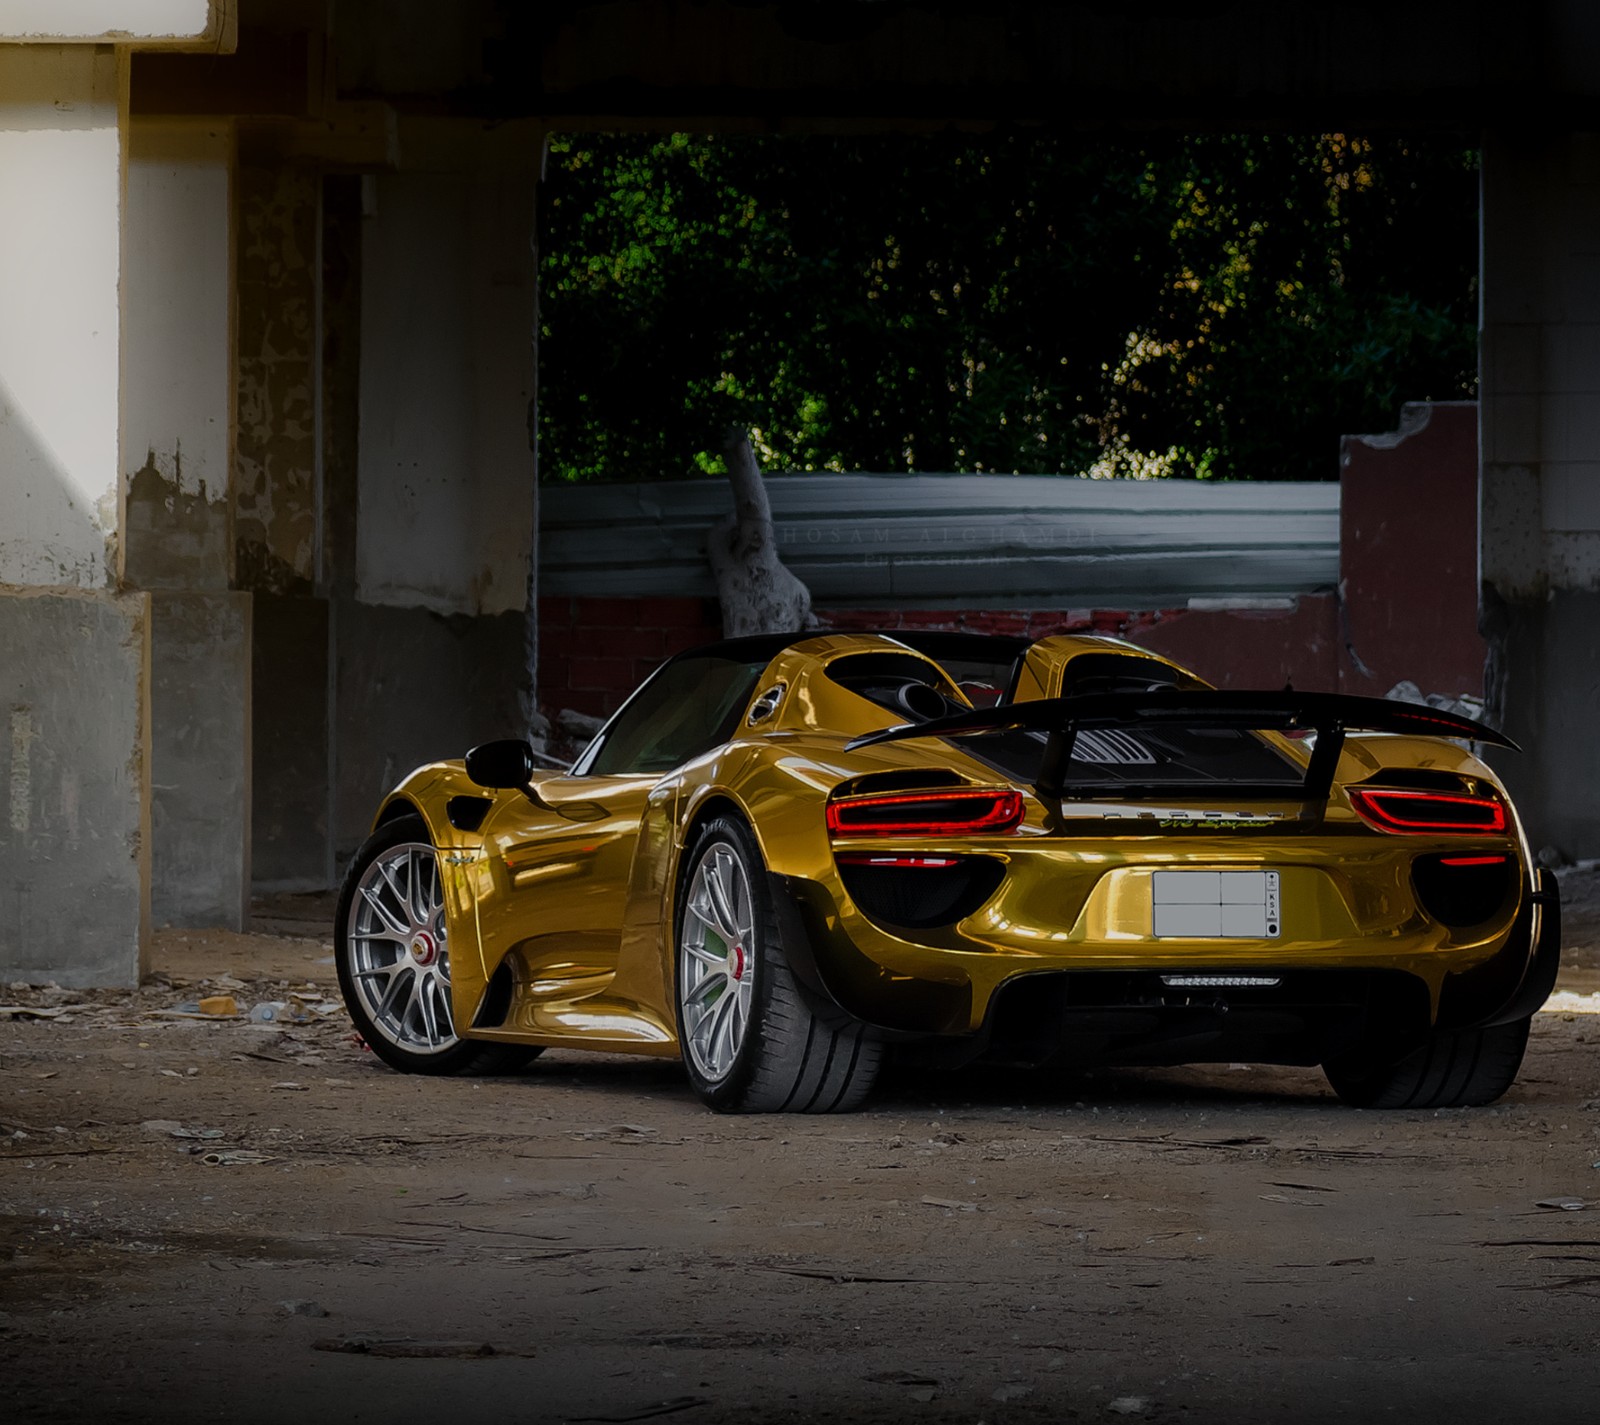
[
  {"x": 1463, "y": 1069},
  {"x": 750, "y": 1041},
  {"x": 392, "y": 952}
]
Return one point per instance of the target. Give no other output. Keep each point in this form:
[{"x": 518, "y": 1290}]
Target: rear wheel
[
  {"x": 1467, "y": 1068},
  {"x": 392, "y": 952},
  {"x": 750, "y": 1040}
]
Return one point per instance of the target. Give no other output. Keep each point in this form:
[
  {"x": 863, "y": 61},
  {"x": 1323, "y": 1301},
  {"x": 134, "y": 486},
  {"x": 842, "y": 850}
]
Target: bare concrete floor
[{"x": 1221, "y": 1245}]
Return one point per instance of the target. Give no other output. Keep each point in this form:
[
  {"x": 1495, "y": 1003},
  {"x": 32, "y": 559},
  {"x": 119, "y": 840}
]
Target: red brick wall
[{"x": 593, "y": 652}]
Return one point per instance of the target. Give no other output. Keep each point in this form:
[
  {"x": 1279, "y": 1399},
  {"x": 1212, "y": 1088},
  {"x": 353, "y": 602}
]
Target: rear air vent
[
  {"x": 1463, "y": 890},
  {"x": 916, "y": 892}
]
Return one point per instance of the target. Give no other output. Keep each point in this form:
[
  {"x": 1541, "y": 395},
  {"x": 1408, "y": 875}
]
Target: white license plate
[{"x": 1215, "y": 905}]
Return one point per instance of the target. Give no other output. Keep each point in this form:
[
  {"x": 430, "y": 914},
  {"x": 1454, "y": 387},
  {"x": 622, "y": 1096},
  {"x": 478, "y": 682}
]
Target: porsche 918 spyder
[{"x": 786, "y": 857}]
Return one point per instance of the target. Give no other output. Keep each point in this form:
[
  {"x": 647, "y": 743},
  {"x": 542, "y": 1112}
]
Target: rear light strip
[
  {"x": 1409, "y": 813},
  {"x": 957, "y": 812},
  {"x": 870, "y": 858}
]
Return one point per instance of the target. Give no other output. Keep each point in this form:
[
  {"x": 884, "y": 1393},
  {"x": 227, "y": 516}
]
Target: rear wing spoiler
[{"x": 1329, "y": 715}]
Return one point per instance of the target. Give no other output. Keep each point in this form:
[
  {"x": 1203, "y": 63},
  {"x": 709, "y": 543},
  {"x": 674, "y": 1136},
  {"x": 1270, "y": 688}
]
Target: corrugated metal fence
[{"x": 931, "y": 541}]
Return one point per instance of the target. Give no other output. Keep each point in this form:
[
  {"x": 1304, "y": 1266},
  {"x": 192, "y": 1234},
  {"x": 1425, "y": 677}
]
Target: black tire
[
  {"x": 1464, "y": 1069},
  {"x": 389, "y": 1040},
  {"x": 791, "y": 1057}
]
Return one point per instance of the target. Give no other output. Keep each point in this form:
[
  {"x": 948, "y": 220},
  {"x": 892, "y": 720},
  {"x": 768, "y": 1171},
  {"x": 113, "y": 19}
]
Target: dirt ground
[{"x": 220, "y": 1220}]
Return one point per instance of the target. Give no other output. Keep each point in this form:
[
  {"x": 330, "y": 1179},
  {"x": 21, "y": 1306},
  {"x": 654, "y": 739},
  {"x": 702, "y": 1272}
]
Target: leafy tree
[{"x": 1221, "y": 306}]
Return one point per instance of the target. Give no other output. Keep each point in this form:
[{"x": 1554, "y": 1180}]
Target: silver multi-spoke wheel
[
  {"x": 716, "y": 970},
  {"x": 399, "y": 960}
]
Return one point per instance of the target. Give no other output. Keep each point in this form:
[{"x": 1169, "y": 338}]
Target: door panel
[{"x": 559, "y": 882}]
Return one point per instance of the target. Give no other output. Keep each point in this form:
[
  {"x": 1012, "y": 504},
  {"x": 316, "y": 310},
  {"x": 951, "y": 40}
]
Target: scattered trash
[
  {"x": 950, "y": 1203},
  {"x": 235, "y": 1158},
  {"x": 291, "y": 1085},
  {"x": 162, "y": 1125},
  {"x": 1290, "y": 1201},
  {"x": 277, "y": 1011},
  {"x": 900, "y": 1378},
  {"x": 1129, "y": 1405},
  {"x": 222, "y": 1005},
  {"x": 204, "y": 1135},
  {"x": 1564, "y": 1204},
  {"x": 302, "y": 1308},
  {"x": 30, "y": 1011}
]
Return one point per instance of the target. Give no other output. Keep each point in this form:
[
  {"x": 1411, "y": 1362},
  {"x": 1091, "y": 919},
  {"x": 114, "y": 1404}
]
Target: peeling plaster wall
[
  {"x": 446, "y": 474},
  {"x": 276, "y": 457},
  {"x": 60, "y": 226},
  {"x": 177, "y": 392},
  {"x": 1539, "y": 512}
]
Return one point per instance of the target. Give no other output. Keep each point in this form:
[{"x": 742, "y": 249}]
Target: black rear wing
[{"x": 1329, "y": 715}]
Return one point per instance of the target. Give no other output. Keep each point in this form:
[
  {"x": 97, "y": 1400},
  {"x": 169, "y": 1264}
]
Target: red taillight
[
  {"x": 952, "y": 813},
  {"x": 1423, "y": 813},
  {"x": 1473, "y": 860}
]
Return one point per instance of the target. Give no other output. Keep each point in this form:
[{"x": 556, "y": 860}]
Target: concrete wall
[
  {"x": 277, "y": 461},
  {"x": 446, "y": 472},
  {"x": 291, "y": 763},
  {"x": 178, "y": 374},
  {"x": 1540, "y": 511},
  {"x": 177, "y": 442},
  {"x": 415, "y": 686},
  {"x": 75, "y": 657},
  {"x": 61, "y": 197},
  {"x": 74, "y": 775},
  {"x": 200, "y": 764}
]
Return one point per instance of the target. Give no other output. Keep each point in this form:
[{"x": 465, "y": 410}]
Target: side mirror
[{"x": 507, "y": 762}]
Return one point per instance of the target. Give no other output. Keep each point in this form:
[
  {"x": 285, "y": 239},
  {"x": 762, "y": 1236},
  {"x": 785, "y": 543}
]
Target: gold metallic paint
[{"x": 579, "y": 899}]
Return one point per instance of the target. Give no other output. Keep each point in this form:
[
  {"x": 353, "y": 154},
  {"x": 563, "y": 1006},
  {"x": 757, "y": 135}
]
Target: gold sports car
[{"x": 787, "y": 857}]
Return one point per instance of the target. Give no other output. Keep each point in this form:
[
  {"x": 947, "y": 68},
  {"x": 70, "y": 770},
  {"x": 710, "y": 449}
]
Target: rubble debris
[{"x": 1563, "y": 1204}]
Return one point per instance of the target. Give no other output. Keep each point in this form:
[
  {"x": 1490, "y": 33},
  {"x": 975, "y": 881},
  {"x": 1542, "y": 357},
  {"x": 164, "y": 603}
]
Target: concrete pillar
[
  {"x": 278, "y": 515},
  {"x": 431, "y": 650},
  {"x": 177, "y": 429},
  {"x": 74, "y": 654},
  {"x": 1539, "y": 502}
]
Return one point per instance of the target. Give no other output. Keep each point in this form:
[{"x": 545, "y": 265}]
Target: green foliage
[{"x": 1220, "y": 306}]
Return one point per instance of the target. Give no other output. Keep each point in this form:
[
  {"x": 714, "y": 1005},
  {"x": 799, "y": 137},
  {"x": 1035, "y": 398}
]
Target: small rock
[
  {"x": 302, "y": 1308},
  {"x": 1013, "y": 1391},
  {"x": 1553, "y": 858},
  {"x": 1129, "y": 1405}
]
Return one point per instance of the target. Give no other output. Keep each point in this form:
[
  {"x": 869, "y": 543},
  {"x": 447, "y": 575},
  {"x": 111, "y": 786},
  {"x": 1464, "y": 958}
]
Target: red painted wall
[{"x": 1408, "y": 554}]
